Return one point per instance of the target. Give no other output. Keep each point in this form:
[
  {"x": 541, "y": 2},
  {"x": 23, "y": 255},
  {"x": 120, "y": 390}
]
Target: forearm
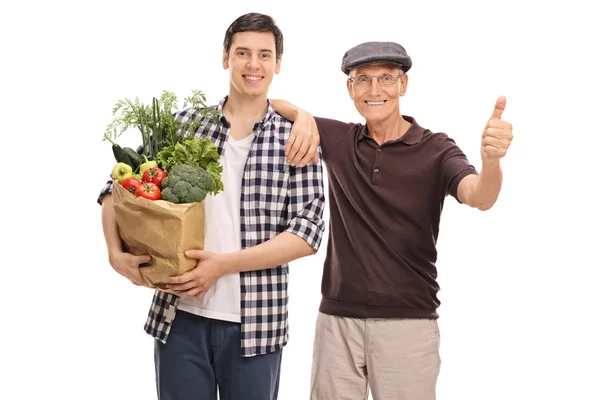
[
  {"x": 109, "y": 225},
  {"x": 486, "y": 187},
  {"x": 286, "y": 109},
  {"x": 281, "y": 249}
]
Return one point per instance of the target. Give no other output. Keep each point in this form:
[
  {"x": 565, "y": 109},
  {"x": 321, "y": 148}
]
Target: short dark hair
[{"x": 258, "y": 23}]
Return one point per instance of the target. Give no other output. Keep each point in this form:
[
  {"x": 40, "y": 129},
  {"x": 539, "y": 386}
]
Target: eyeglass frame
[{"x": 353, "y": 78}]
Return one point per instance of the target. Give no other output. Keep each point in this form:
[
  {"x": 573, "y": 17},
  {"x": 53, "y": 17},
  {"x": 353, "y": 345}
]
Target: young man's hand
[
  {"x": 198, "y": 281},
  {"x": 128, "y": 265},
  {"x": 303, "y": 142}
]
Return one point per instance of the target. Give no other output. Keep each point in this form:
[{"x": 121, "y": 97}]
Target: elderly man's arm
[
  {"x": 481, "y": 191},
  {"x": 301, "y": 147}
]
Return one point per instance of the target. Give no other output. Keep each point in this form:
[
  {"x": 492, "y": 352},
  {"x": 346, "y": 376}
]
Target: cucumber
[
  {"x": 120, "y": 154},
  {"x": 135, "y": 159}
]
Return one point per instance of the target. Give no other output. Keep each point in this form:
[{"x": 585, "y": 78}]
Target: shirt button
[
  {"x": 376, "y": 170},
  {"x": 379, "y": 149}
]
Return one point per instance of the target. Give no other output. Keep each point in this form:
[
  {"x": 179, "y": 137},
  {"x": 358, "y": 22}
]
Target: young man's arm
[
  {"x": 302, "y": 237},
  {"x": 124, "y": 263},
  {"x": 279, "y": 250},
  {"x": 481, "y": 191}
]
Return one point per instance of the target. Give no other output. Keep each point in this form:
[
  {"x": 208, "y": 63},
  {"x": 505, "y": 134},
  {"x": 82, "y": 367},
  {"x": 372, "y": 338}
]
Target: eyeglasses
[{"x": 365, "y": 80}]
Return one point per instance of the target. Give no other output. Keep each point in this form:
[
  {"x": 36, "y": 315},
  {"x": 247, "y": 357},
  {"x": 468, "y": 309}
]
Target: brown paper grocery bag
[{"x": 163, "y": 230}]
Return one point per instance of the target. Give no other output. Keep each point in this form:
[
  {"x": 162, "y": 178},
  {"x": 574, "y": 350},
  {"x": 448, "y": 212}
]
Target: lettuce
[{"x": 197, "y": 152}]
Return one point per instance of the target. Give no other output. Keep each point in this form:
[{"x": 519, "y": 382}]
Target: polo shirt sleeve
[
  {"x": 306, "y": 205},
  {"x": 454, "y": 165},
  {"x": 331, "y": 132}
]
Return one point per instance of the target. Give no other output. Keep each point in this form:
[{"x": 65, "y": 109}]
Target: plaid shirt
[{"x": 275, "y": 198}]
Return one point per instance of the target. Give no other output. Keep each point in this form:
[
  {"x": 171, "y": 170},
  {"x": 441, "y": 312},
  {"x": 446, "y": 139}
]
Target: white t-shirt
[{"x": 222, "y": 235}]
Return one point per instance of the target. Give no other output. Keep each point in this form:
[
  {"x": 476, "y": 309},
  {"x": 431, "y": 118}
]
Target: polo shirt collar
[{"x": 413, "y": 135}]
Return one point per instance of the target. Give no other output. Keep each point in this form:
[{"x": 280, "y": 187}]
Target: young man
[
  {"x": 377, "y": 325},
  {"x": 226, "y": 329}
]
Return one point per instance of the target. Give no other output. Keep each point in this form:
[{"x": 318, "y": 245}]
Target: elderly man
[{"x": 388, "y": 179}]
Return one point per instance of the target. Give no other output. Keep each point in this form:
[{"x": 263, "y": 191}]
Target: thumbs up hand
[{"x": 497, "y": 134}]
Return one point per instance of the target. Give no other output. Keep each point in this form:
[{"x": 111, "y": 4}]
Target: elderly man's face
[{"x": 377, "y": 99}]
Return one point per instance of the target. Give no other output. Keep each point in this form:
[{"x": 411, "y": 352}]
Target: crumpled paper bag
[{"x": 163, "y": 230}]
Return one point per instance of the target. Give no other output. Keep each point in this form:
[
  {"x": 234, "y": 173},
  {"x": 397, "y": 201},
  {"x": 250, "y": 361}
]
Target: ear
[
  {"x": 225, "y": 60},
  {"x": 350, "y": 89},
  {"x": 403, "y": 84},
  {"x": 278, "y": 65}
]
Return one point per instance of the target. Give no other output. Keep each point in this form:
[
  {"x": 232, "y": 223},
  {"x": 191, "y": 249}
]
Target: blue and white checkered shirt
[{"x": 275, "y": 198}]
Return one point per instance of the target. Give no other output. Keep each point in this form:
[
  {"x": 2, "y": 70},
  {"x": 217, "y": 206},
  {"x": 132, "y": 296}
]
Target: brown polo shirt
[{"x": 385, "y": 204}]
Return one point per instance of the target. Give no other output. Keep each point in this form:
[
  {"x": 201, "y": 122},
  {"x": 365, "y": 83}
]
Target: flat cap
[{"x": 376, "y": 52}]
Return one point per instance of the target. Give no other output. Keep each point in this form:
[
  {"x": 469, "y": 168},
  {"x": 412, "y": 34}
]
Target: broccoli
[{"x": 186, "y": 184}]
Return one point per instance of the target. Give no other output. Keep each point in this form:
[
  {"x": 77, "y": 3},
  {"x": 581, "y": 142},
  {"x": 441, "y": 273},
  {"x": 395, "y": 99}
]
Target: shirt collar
[
  {"x": 269, "y": 115},
  {"x": 413, "y": 135}
]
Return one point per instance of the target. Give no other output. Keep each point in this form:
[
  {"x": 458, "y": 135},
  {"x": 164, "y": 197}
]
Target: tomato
[
  {"x": 131, "y": 184},
  {"x": 148, "y": 190},
  {"x": 154, "y": 175}
]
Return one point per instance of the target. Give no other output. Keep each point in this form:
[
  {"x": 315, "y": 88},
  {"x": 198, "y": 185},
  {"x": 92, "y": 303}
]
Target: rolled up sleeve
[
  {"x": 106, "y": 190},
  {"x": 307, "y": 203}
]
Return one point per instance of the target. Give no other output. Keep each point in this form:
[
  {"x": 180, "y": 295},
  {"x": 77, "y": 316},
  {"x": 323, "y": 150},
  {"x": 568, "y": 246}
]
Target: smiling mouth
[
  {"x": 253, "y": 78},
  {"x": 376, "y": 103}
]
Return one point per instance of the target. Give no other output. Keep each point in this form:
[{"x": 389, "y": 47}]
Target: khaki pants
[{"x": 398, "y": 359}]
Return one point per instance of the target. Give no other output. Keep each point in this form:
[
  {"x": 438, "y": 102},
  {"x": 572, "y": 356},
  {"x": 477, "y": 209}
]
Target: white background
[{"x": 519, "y": 282}]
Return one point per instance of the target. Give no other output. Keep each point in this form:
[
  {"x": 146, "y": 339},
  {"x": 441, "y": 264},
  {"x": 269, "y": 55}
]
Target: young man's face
[
  {"x": 252, "y": 62},
  {"x": 373, "y": 100}
]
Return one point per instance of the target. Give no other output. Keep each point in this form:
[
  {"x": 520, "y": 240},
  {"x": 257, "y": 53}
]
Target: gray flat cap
[{"x": 376, "y": 52}]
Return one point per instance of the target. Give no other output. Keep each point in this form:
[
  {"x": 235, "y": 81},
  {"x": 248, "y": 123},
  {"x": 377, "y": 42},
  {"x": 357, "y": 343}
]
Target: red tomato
[
  {"x": 154, "y": 175},
  {"x": 148, "y": 190},
  {"x": 131, "y": 184}
]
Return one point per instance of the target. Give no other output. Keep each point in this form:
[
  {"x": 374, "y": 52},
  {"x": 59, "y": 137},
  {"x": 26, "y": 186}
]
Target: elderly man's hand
[
  {"x": 303, "y": 142},
  {"x": 497, "y": 134}
]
